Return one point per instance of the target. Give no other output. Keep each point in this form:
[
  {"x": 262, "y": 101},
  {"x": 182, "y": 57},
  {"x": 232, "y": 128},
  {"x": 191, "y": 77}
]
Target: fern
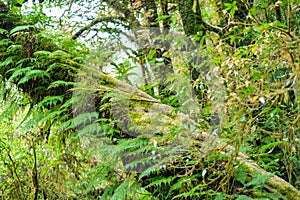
[
  {"x": 3, "y": 31},
  {"x": 51, "y": 115},
  {"x": 59, "y": 54},
  {"x": 5, "y": 42},
  {"x": 24, "y": 60},
  {"x": 14, "y": 49},
  {"x": 98, "y": 175},
  {"x": 57, "y": 65},
  {"x": 50, "y": 101},
  {"x": 17, "y": 72},
  {"x": 8, "y": 61},
  {"x": 89, "y": 130},
  {"x": 59, "y": 83},
  {"x": 151, "y": 170},
  {"x": 42, "y": 54},
  {"x": 85, "y": 118},
  {"x": 21, "y": 28},
  {"x": 33, "y": 74},
  {"x": 159, "y": 181}
]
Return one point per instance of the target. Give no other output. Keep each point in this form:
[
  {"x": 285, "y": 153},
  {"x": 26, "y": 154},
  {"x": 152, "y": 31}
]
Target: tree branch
[{"x": 94, "y": 22}]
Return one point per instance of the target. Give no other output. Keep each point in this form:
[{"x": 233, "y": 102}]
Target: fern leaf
[
  {"x": 3, "y": 31},
  {"x": 98, "y": 177},
  {"x": 33, "y": 74},
  {"x": 148, "y": 171},
  {"x": 21, "y": 28},
  {"x": 5, "y": 42},
  {"x": 122, "y": 191},
  {"x": 14, "y": 48},
  {"x": 51, "y": 115},
  {"x": 161, "y": 180},
  {"x": 18, "y": 72},
  {"x": 85, "y": 118},
  {"x": 59, "y": 54},
  {"x": 8, "y": 61},
  {"x": 57, "y": 65},
  {"x": 89, "y": 130},
  {"x": 50, "y": 100},
  {"x": 42, "y": 53},
  {"x": 58, "y": 83}
]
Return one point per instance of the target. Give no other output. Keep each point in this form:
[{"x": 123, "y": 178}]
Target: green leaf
[
  {"x": 59, "y": 83},
  {"x": 160, "y": 180},
  {"x": 5, "y": 42},
  {"x": 33, "y": 74},
  {"x": 50, "y": 100},
  {"x": 21, "y": 28},
  {"x": 8, "y": 61},
  {"x": 240, "y": 175},
  {"x": 244, "y": 197},
  {"x": 42, "y": 53},
  {"x": 151, "y": 54},
  {"x": 272, "y": 145},
  {"x": 18, "y": 72},
  {"x": 3, "y": 31},
  {"x": 59, "y": 54}
]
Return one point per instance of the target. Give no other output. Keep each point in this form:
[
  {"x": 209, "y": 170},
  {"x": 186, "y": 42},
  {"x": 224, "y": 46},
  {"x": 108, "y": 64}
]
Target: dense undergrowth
[{"x": 51, "y": 149}]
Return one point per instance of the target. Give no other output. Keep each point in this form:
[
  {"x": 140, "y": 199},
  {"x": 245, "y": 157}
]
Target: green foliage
[{"x": 53, "y": 150}]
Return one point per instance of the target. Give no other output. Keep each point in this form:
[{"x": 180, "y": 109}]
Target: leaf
[
  {"x": 33, "y": 74},
  {"x": 244, "y": 197},
  {"x": 151, "y": 54},
  {"x": 18, "y": 72},
  {"x": 98, "y": 176},
  {"x": 122, "y": 191},
  {"x": 271, "y": 146},
  {"x": 59, "y": 54},
  {"x": 240, "y": 175},
  {"x": 14, "y": 48},
  {"x": 21, "y": 28},
  {"x": 259, "y": 179},
  {"x": 50, "y": 100},
  {"x": 59, "y": 83},
  {"x": 57, "y": 65},
  {"x": 5, "y": 42},
  {"x": 160, "y": 180},
  {"x": 148, "y": 171},
  {"x": 85, "y": 118},
  {"x": 51, "y": 115},
  {"x": 42, "y": 53},
  {"x": 8, "y": 61},
  {"x": 3, "y": 31}
]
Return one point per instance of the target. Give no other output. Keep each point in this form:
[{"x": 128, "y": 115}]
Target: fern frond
[
  {"x": 3, "y": 31},
  {"x": 59, "y": 54},
  {"x": 51, "y": 115},
  {"x": 59, "y": 83},
  {"x": 8, "y": 61},
  {"x": 98, "y": 175},
  {"x": 57, "y": 65},
  {"x": 86, "y": 118},
  {"x": 21, "y": 28},
  {"x": 33, "y": 74},
  {"x": 50, "y": 100},
  {"x": 18, "y": 72},
  {"x": 159, "y": 181}
]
